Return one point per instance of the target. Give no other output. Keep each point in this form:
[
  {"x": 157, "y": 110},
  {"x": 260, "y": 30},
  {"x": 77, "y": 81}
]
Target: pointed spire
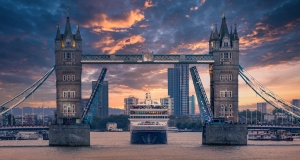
[
  {"x": 235, "y": 34},
  {"x": 230, "y": 29},
  {"x": 78, "y": 36},
  {"x": 58, "y": 35},
  {"x": 223, "y": 29},
  {"x": 212, "y": 32},
  {"x": 68, "y": 30},
  {"x": 216, "y": 35}
]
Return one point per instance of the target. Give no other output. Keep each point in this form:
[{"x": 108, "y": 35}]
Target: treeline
[
  {"x": 182, "y": 122},
  {"x": 121, "y": 120}
]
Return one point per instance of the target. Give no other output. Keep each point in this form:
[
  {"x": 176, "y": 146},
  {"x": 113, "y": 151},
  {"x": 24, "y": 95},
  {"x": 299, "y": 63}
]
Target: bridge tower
[
  {"x": 68, "y": 50},
  {"x": 224, "y": 47}
]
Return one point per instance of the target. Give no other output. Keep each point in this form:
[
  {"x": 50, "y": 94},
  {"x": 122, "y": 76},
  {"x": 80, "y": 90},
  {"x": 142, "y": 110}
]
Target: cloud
[
  {"x": 110, "y": 46},
  {"x": 102, "y": 22},
  {"x": 148, "y": 3}
]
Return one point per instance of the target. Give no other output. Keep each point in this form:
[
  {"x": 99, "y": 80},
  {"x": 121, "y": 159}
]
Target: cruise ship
[{"x": 148, "y": 122}]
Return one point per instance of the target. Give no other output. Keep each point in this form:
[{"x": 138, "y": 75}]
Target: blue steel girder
[
  {"x": 148, "y": 58},
  {"x": 88, "y": 112},
  {"x": 204, "y": 106}
]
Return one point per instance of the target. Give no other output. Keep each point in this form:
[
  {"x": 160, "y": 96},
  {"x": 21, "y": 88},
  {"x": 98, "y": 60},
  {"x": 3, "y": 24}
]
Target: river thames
[{"x": 181, "y": 145}]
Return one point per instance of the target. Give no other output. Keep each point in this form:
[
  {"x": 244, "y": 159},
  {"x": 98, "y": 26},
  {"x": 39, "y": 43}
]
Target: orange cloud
[
  {"x": 251, "y": 41},
  {"x": 108, "y": 44},
  {"x": 148, "y": 3},
  {"x": 102, "y": 22},
  {"x": 198, "y": 47}
]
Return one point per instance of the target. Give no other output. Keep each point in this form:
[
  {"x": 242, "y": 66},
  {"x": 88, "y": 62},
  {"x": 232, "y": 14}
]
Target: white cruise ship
[{"x": 148, "y": 122}]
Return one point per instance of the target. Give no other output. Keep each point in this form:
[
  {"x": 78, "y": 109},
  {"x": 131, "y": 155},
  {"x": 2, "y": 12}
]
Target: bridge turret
[
  {"x": 216, "y": 41},
  {"x": 58, "y": 39},
  {"x": 78, "y": 39},
  {"x": 235, "y": 39}
]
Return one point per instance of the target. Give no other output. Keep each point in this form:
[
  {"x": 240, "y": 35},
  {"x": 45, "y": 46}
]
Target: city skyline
[{"x": 268, "y": 44}]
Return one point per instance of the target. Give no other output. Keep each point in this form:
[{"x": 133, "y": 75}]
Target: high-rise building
[
  {"x": 102, "y": 106},
  {"x": 296, "y": 102},
  {"x": 174, "y": 89},
  {"x": 262, "y": 107},
  {"x": 224, "y": 72},
  {"x": 128, "y": 102},
  {"x": 192, "y": 104},
  {"x": 84, "y": 102},
  {"x": 178, "y": 88},
  {"x": 168, "y": 101}
]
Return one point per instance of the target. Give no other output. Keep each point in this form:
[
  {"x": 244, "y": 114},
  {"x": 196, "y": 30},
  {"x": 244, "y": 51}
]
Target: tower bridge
[{"x": 72, "y": 124}]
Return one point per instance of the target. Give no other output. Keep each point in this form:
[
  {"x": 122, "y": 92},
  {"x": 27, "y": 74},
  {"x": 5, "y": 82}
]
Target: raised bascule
[{"x": 219, "y": 115}]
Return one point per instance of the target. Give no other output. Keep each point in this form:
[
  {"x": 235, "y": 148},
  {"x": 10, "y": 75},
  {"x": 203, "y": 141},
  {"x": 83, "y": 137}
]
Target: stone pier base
[
  {"x": 224, "y": 134},
  {"x": 69, "y": 135}
]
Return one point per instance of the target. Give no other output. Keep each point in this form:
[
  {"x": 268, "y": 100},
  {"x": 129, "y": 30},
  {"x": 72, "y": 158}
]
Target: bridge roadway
[
  {"x": 148, "y": 58},
  {"x": 271, "y": 127}
]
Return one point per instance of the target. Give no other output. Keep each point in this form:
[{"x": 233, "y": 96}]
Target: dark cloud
[{"x": 268, "y": 31}]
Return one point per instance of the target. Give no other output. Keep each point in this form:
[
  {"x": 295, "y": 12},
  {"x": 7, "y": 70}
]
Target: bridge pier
[
  {"x": 69, "y": 135},
  {"x": 224, "y": 134}
]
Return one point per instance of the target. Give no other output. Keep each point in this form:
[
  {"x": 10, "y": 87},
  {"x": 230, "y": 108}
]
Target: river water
[{"x": 181, "y": 145}]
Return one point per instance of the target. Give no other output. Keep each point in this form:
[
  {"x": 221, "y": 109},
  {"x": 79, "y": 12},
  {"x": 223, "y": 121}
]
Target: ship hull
[{"x": 148, "y": 137}]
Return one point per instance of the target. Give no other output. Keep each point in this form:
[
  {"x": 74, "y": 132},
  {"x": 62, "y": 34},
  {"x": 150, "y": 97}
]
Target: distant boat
[
  {"x": 173, "y": 129},
  {"x": 27, "y": 136},
  {"x": 259, "y": 134},
  {"x": 282, "y": 135}
]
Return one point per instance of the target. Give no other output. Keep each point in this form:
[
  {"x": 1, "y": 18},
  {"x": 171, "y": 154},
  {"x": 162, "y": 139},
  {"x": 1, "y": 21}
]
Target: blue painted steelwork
[
  {"x": 147, "y": 58},
  {"x": 88, "y": 112},
  {"x": 204, "y": 106},
  {"x": 269, "y": 96},
  {"x": 35, "y": 86}
]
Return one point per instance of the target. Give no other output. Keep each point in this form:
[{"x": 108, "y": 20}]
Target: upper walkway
[{"x": 148, "y": 58}]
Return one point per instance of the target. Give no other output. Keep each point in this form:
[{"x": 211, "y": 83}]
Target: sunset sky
[{"x": 269, "y": 34}]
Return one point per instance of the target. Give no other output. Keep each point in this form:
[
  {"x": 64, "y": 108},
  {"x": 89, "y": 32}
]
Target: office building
[
  {"x": 296, "y": 102},
  {"x": 102, "y": 106},
  {"x": 262, "y": 107},
  {"x": 178, "y": 88},
  {"x": 168, "y": 101},
  {"x": 128, "y": 102},
  {"x": 192, "y": 104}
]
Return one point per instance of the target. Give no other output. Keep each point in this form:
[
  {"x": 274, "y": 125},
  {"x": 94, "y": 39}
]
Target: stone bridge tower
[
  {"x": 68, "y": 52},
  {"x": 224, "y": 47}
]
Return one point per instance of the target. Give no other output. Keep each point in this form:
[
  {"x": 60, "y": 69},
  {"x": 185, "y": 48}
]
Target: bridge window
[
  {"x": 69, "y": 109},
  {"x": 225, "y": 77},
  {"x": 68, "y": 55},
  {"x": 226, "y": 56},
  {"x": 68, "y": 77},
  {"x": 226, "y": 44},
  {"x": 225, "y": 94},
  {"x": 68, "y": 94}
]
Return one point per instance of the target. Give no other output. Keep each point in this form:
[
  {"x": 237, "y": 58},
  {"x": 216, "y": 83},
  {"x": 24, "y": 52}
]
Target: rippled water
[{"x": 115, "y": 145}]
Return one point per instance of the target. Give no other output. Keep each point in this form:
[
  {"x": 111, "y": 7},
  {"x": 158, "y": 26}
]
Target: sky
[{"x": 268, "y": 31}]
